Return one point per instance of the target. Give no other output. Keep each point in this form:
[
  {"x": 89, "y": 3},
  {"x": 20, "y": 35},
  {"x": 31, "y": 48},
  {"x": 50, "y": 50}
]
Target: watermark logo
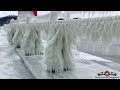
[{"x": 106, "y": 74}]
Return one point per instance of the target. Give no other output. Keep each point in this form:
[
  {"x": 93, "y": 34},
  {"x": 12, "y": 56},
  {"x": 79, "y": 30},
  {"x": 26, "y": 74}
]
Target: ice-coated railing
[
  {"x": 88, "y": 14},
  {"x": 92, "y": 29},
  {"x": 62, "y": 35}
]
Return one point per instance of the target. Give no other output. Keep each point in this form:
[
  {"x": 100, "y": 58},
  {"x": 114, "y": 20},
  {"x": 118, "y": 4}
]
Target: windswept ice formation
[
  {"x": 106, "y": 30},
  {"x": 58, "y": 53},
  {"x": 15, "y": 33},
  {"x": 31, "y": 42}
]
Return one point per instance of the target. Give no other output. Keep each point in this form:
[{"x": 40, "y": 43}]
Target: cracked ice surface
[{"x": 11, "y": 66}]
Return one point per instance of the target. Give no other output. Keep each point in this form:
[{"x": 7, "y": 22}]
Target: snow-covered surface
[{"x": 11, "y": 66}]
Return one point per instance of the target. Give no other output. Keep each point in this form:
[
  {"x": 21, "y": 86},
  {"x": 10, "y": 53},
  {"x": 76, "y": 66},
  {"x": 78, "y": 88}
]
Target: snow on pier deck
[{"x": 11, "y": 66}]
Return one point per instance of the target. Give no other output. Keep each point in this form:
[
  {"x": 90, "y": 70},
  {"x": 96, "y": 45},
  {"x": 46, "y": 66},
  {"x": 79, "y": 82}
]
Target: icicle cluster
[
  {"x": 58, "y": 53},
  {"x": 105, "y": 28},
  {"x": 31, "y": 41}
]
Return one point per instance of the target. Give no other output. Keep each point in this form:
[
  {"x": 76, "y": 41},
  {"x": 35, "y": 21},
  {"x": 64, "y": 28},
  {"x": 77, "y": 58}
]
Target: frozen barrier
[
  {"x": 89, "y": 14},
  {"x": 85, "y": 69},
  {"x": 105, "y": 28},
  {"x": 63, "y": 35}
]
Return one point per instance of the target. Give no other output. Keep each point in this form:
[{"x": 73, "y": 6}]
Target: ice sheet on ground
[{"x": 11, "y": 66}]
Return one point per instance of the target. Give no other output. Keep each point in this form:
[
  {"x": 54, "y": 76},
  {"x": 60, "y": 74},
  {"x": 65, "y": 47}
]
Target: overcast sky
[{"x": 5, "y": 13}]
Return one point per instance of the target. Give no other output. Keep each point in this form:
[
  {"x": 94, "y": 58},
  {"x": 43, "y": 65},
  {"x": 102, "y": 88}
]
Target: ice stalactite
[
  {"x": 11, "y": 30},
  {"x": 53, "y": 55},
  {"x": 31, "y": 42},
  {"x": 58, "y": 53},
  {"x": 105, "y": 30},
  {"x": 20, "y": 30},
  {"x": 15, "y": 32},
  {"x": 10, "y": 33}
]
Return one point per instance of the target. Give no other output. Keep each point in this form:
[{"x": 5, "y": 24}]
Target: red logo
[{"x": 107, "y": 73}]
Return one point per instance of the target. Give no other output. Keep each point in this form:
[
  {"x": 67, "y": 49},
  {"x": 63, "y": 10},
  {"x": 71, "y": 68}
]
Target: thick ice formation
[
  {"x": 31, "y": 41},
  {"x": 27, "y": 33},
  {"x": 105, "y": 29},
  {"x": 15, "y": 32},
  {"x": 10, "y": 34},
  {"x": 18, "y": 36},
  {"x": 58, "y": 53},
  {"x": 62, "y": 36}
]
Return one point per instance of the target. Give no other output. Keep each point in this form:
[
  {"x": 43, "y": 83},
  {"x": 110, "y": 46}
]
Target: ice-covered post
[
  {"x": 18, "y": 28},
  {"x": 31, "y": 40}
]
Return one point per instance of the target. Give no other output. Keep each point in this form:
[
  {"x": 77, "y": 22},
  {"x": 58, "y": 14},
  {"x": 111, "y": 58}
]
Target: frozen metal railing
[{"x": 88, "y": 14}]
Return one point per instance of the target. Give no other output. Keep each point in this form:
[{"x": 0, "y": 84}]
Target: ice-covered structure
[
  {"x": 11, "y": 30},
  {"x": 28, "y": 30},
  {"x": 104, "y": 29},
  {"x": 93, "y": 26},
  {"x": 58, "y": 53},
  {"x": 90, "y": 14}
]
